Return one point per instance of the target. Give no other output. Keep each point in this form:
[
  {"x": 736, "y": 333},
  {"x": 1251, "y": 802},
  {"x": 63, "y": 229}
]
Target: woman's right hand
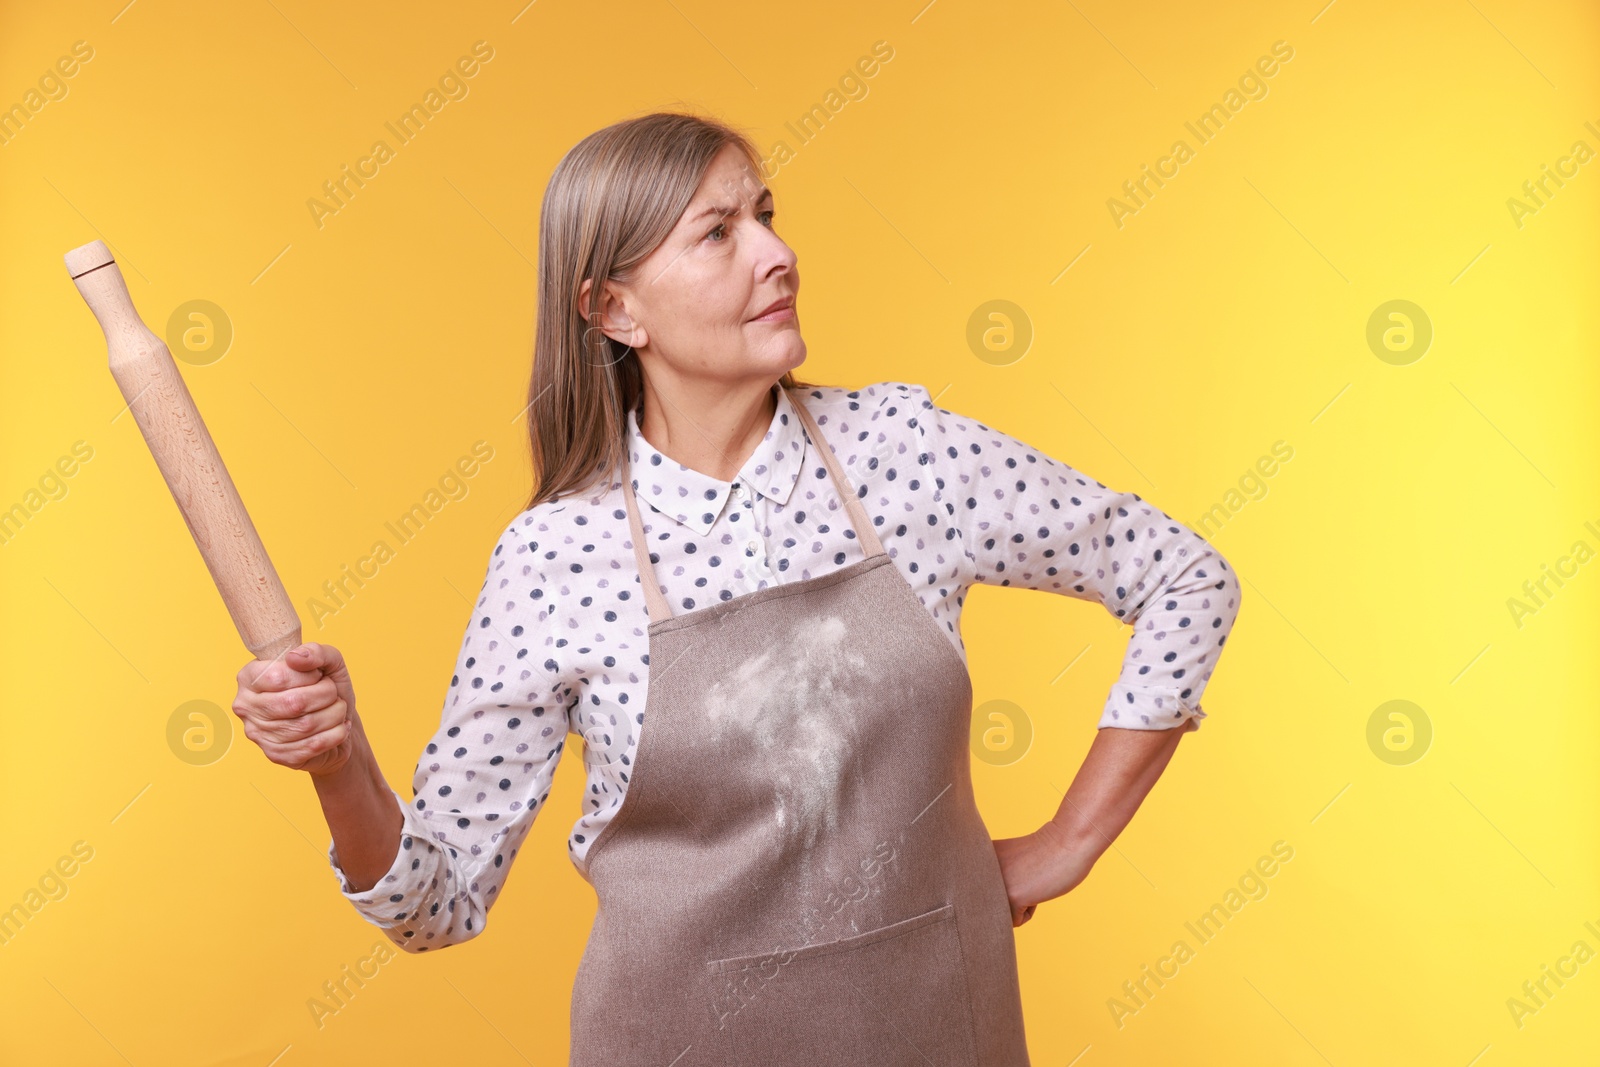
[{"x": 300, "y": 709}]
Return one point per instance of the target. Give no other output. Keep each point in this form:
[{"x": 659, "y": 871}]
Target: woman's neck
[{"x": 711, "y": 427}]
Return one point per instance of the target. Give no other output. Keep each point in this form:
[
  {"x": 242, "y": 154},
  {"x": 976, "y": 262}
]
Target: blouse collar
[{"x": 695, "y": 499}]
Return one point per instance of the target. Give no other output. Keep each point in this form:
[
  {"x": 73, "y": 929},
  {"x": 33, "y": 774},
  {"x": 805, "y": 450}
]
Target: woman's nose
[{"x": 775, "y": 251}]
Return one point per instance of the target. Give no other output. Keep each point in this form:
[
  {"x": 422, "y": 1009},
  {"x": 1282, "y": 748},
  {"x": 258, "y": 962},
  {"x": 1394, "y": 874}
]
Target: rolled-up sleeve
[
  {"x": 485, "y": 774},
  {"x": 1028, "y": 520}
]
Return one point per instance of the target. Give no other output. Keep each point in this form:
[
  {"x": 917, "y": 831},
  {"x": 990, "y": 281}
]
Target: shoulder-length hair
[{"x": 611, "y": 200}]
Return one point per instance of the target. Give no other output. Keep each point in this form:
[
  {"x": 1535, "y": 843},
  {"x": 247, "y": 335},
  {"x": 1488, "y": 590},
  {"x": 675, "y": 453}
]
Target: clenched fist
[{"x": 300, "y": 709}]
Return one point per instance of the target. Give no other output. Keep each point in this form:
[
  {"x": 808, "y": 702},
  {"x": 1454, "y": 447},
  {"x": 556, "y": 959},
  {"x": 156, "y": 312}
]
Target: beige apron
[{"x": 798, "y": 873}]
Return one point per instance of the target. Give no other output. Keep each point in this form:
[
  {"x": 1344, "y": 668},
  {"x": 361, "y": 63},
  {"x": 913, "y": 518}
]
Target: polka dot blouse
[{"x": 557, "y": 641}]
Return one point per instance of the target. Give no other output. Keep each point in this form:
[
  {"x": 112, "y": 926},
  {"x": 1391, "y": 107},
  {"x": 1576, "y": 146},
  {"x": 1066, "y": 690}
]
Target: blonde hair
[{"x": 611, "y": 200}]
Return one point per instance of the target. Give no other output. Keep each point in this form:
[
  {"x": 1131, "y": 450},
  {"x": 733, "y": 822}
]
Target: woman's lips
[{"x": 782, "y": 314}]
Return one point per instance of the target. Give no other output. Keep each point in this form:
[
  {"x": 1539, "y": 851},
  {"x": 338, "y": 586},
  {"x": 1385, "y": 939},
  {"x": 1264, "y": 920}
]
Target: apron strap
[
  {"x": 656, "y": 603},
  {"x": 859, "y": 521}
]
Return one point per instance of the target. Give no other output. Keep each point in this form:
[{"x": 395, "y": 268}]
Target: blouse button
[{"x": 752, "y": 547}]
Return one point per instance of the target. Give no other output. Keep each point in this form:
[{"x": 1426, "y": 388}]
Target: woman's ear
[{"x": 615, "y": 322}]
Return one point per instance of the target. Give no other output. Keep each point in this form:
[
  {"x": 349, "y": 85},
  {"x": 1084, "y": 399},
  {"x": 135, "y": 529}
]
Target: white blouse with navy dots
[{"x": 557, "y": 642}]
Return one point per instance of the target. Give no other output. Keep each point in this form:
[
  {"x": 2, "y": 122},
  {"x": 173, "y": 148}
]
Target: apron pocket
[{"x": 891, "y": 996}]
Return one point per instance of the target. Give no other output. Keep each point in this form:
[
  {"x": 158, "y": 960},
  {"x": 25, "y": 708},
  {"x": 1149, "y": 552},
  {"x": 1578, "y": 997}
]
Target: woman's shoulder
[
  {"x": 563, "y": 519},
  {"x": 862, "y": 398},
  {"x": 851, "y": 411},
  {"x": 877, "y": 430}
]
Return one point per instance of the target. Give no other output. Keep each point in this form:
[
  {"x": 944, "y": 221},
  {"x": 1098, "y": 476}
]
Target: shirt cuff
[
  {"x": 370, "y": 901},
  {"x": 1130, "y": 708}
]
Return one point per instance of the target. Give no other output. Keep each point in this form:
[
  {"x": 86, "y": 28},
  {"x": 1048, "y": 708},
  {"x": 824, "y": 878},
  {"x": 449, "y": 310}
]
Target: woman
[{"x": 789, "y": 863}]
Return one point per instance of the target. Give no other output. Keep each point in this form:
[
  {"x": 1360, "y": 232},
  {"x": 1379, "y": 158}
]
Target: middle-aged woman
[{"x": 742, "y": 592}]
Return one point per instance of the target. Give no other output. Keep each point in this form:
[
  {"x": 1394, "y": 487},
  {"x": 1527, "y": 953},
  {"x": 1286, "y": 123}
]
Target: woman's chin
[
  {"x": 775, "y": 358},
  {"x": 796, "y": 349}
]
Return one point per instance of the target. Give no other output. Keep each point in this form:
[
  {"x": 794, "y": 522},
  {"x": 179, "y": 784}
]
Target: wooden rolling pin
[{"x": 182, "y": 446}]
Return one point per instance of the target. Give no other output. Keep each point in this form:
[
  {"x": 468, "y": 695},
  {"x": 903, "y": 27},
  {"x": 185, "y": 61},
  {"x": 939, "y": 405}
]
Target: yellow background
[{"x": 1228, "y": 314}]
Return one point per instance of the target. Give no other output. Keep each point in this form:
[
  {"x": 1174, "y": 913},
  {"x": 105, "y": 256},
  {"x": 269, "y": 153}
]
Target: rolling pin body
[{"x": 182, "y": 447}]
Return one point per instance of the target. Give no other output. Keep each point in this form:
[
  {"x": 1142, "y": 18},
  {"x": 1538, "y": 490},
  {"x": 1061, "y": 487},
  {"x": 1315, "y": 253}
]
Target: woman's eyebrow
[{"x": 723, "y": 209}]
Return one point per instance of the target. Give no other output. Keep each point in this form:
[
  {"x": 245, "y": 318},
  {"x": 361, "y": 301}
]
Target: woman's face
[{"x": 696, "y": 302}]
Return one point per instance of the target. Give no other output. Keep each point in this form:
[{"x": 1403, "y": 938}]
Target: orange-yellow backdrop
[{"x": 1176, "y": 341}]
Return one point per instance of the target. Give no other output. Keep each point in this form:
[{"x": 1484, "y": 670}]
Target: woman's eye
[{"x": 722, "y": 226}]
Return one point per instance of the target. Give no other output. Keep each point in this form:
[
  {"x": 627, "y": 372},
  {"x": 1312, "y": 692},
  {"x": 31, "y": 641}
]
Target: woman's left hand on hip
[{"x": 1037, "y": 867}]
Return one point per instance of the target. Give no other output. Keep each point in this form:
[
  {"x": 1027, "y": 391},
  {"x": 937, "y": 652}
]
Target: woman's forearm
[
  {"x": 1118, "y": 772},
  {"x": 362, "y": 816}
]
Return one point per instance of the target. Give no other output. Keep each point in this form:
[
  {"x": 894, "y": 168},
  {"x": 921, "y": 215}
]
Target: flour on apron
[{"x": 793, "y": 707}]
